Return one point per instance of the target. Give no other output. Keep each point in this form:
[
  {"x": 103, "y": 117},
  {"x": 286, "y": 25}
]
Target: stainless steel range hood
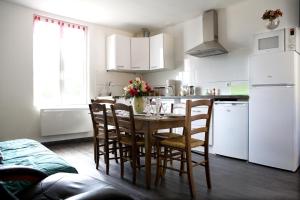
[{"x": 210, "y": 45}]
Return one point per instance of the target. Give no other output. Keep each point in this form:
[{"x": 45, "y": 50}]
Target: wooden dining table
[{"x": 149, "y": 125}]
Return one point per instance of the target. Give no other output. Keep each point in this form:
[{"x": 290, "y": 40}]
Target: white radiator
[{"x": 65, "y": 121}]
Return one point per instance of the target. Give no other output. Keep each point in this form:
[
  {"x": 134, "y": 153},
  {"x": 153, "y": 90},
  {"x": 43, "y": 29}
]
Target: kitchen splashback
[{"x": 239, "y": 87}]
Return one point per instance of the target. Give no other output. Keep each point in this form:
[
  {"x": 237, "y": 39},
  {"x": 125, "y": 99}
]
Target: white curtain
[{"x": 59, "y": 58}]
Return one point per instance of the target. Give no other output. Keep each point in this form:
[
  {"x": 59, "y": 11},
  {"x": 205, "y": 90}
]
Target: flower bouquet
[
  {"x": 137, "y": 88},
  {"x": 272, "y": 14}
]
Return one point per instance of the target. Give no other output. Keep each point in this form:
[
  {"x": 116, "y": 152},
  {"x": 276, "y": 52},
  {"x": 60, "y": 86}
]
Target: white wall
[
  {"x": 237, "y": 24},
  {"x": 18, "y": 117}
]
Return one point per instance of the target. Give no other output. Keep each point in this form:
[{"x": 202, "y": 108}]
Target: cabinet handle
[
  {"x": 154, "y": 67},
  {"x": 136, "y": 67},
  {"x": 120, "y": 66}
]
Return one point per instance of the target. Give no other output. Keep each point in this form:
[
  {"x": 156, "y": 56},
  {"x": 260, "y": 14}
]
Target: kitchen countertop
[{"x": 215, "y": 97}]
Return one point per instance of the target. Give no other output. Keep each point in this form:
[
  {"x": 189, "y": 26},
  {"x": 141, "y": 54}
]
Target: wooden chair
[
  {"x": 185, "y": 143},
  {"x": 107, "y": 103},
  {"x": 130, "y": 141},
  {"x": 103, "y": 137}
]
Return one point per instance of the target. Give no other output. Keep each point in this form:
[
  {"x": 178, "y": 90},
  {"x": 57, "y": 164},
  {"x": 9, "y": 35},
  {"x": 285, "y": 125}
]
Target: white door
[
  {"x": 231, "y": 129},
  {"x": 272, "y": 126},
  {"x": 272, "y": 68},
  {"x": 157, "y": 51},
  {"x": 140, "y": 53}
]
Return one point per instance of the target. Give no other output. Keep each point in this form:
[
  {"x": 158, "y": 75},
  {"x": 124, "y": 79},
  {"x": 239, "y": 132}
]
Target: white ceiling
[{"x": 131, "y": 15}]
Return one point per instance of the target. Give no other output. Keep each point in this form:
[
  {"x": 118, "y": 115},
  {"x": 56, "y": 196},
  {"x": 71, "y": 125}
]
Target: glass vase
[
  {"x": 138, "y": 104},
  {"x": 272, "y": 24}
]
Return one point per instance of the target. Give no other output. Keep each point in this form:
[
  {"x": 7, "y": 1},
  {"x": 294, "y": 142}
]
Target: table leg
[{"x": 148, "y": 148}]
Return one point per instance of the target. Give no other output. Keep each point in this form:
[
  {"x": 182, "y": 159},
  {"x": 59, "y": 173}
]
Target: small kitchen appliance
[{"x": 281, "y": 40}]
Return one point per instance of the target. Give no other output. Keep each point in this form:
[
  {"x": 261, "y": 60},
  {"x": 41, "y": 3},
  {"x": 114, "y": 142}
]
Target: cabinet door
[
  {"x": 272, "y": 68},
  {"x": 157, "y": 51},
  {"x": 118, "y": 52},
  {"x": 140, "y": 53}
]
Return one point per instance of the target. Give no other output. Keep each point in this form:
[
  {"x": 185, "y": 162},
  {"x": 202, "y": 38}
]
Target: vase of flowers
[
  {"x": 137, "y": 89},
  {"x": 273, "y": 18}
]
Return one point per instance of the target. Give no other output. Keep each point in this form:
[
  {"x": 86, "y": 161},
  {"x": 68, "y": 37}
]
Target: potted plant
[{"x": 273, "y": 18}]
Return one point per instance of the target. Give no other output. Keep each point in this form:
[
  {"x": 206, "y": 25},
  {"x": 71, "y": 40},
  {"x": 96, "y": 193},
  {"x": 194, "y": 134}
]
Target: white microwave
[{"x": 286, "y": 39}]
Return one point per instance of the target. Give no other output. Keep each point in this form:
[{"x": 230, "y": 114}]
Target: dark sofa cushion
[{"x": 72, "y": 187}]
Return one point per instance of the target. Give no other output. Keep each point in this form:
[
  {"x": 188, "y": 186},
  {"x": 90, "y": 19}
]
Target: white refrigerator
[{"x": 274, "y": 103}]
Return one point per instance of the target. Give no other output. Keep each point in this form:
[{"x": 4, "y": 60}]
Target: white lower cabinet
[
  {"x": 231, "y": 129},
  {"x": 228, "y": 131}
]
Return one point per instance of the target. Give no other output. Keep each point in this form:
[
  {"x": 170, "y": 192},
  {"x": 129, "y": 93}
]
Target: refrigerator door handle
[{"x": 273, "y": 85}]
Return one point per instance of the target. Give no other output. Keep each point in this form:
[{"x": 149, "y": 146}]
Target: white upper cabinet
[
  {"x": 140, "y": 53},
  {"x": 118, "y": 52},
  {"x": 161, "y": 52}
]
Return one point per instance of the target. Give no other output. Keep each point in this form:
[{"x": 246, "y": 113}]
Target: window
[{"x": 59, "y": 63}]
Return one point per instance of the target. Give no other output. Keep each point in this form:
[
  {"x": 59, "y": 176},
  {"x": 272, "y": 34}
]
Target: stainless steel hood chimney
[{"x": 210, "y": 45}]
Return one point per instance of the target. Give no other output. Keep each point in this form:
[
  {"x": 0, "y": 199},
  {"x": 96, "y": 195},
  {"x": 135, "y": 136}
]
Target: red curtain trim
[{"x": 59, "y": 22}]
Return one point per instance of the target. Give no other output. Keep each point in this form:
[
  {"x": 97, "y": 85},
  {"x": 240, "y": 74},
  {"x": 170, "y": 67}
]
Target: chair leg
[
  {"x": 134, "y": 161},
  {"x": 121, "y": 160},
  {"x": 95, "y": 152},
  {"x": 97, "y": 157},
  {"x": 106, "y": 156},
  {"x": 158, "y": 164},
  {"x": 207, "y": 173},
  {"x": 154, "y": 152},
  {"x": 138, "y": 160},
  {"x": 166, "y": 152},
  {"x": 171, "y": 161},
  {"x": 96, "y": 143},
  {"x": 182, "y": 157},
  {"x": 190, "y": 173},
  {"x": 130, "y": 155},
  {"x": 115, "y": 151}
]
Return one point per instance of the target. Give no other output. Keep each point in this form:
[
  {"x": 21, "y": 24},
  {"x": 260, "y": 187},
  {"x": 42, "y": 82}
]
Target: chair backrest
[
  {"x": 107, "y": 103},
  {"x": 189, "y": 118},
  {"x": 104, "y": 101},
  {"x": 99, "y": 118},
  {"x": 123, "y": 119}
]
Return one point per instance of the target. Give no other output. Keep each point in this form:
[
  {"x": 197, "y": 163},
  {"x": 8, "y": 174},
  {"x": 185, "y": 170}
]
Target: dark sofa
[
  {"x": 58, "y": 186},
  {"x": 29, "y": 170}
]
